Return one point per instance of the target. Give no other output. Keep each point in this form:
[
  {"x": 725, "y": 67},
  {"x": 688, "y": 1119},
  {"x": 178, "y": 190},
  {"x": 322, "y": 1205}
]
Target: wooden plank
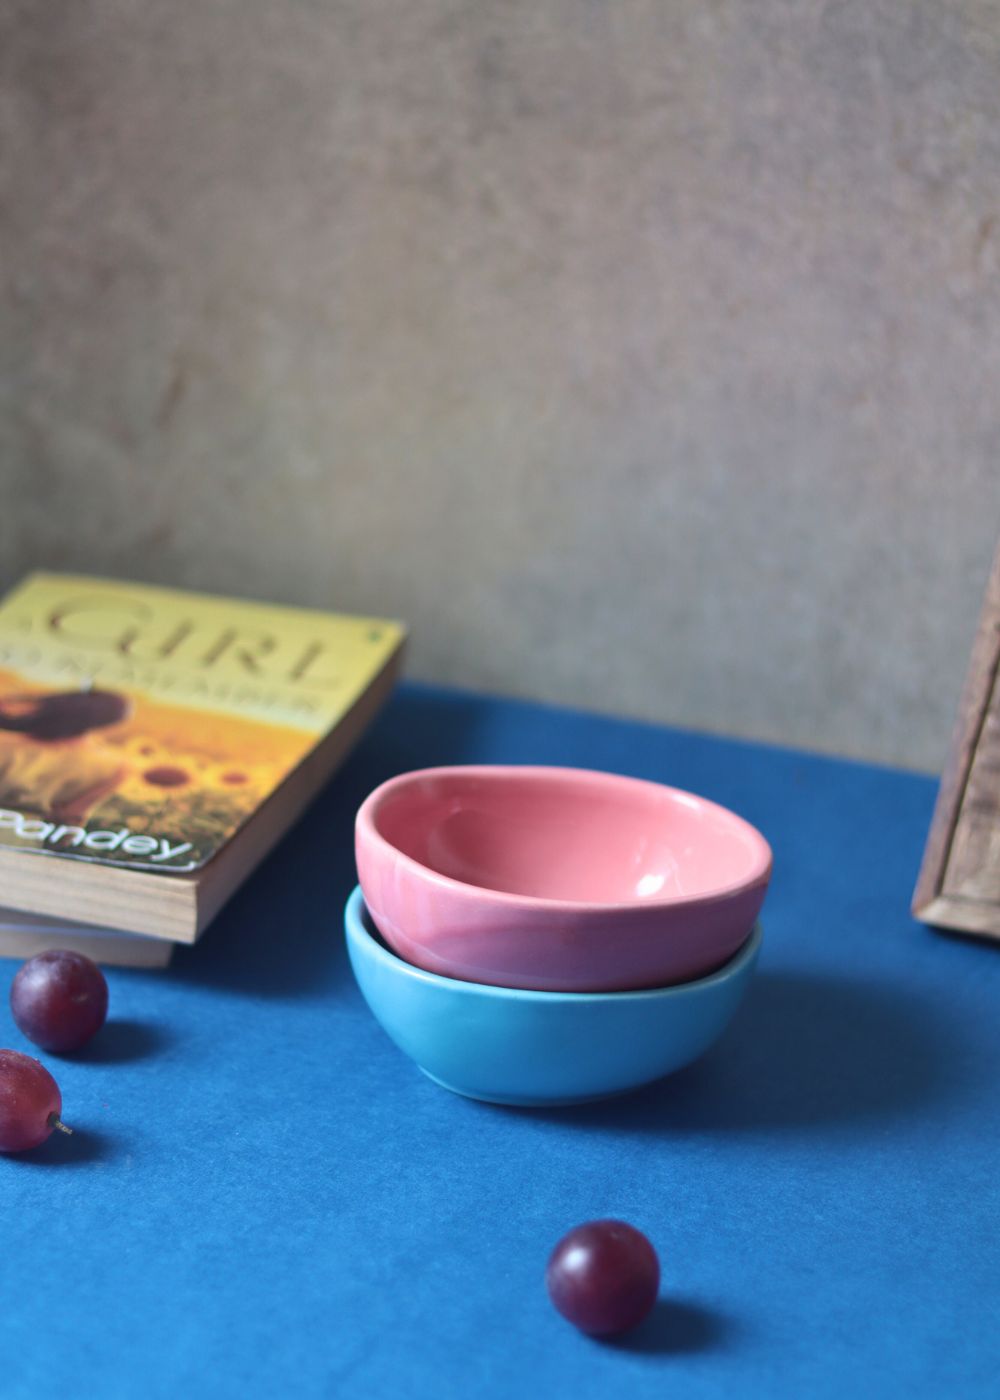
[{"x": 959, "y": 882}]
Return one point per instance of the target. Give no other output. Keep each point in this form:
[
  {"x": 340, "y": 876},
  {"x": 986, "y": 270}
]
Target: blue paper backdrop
[{"x": 264, "y": 1197}]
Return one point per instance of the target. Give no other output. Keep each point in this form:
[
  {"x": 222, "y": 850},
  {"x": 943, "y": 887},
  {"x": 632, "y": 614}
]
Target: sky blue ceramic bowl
[{"x": 534, "y": 1048}]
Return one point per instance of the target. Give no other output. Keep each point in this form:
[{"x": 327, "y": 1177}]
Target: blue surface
[
  {"x": 534, "y": 1048},
  {"x": 265, "y": 1198}
]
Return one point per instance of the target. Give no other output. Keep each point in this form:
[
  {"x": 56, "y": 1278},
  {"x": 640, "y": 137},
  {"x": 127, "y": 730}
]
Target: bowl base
[{"x": 528, "y": 1101}]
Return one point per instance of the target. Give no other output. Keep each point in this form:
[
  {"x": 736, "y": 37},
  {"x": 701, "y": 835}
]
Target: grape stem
[{"x": 56, "y": 1122}]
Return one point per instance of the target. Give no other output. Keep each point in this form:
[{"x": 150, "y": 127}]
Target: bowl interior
[{"x": 570, "y": 835}]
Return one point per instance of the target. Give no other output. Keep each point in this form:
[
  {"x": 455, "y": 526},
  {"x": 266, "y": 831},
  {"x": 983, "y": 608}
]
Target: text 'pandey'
[{"x": 156, "y": 848}]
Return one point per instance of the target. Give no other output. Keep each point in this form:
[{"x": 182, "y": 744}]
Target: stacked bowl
[{"x": 550, "y": 935}]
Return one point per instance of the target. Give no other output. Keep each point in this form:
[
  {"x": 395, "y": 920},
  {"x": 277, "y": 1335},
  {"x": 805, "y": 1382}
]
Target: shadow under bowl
[{"x": 528, "y": 1048}]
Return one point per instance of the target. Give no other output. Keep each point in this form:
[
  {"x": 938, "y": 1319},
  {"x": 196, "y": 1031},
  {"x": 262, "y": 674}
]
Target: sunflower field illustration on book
[{"x": 132, "y": 763}]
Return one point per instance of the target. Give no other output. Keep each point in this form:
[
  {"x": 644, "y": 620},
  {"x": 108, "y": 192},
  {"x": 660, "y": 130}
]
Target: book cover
[{"x": 141, "y": 727}]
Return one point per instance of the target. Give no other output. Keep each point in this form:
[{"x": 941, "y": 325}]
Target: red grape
[
  {"x": 603, "y": 1277},
  {"x": 30, "y": 1102},
  {"x": 59, "y": 1000}
]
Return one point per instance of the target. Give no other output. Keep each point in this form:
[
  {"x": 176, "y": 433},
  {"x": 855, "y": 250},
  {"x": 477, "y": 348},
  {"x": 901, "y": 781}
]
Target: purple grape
[
  {"x": 30, "y": 1103},
  {"x": 603, "y": 1277},
  {"x": 59, "y": 1000}
]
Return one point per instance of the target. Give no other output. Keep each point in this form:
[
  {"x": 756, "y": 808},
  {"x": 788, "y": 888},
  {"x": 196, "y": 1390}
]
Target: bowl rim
[
  {"x": 365, "y": 824},
  {"x": 357, "y": 933}
]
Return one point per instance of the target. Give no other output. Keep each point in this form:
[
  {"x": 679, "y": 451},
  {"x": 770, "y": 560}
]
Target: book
[
  {"x": 155, "y": 744},
  {"x": 24, "y": 935}
]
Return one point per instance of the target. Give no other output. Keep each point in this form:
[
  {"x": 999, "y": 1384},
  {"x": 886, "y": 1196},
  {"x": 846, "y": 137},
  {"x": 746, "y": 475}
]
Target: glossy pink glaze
[{"x": 558, "y": 879}]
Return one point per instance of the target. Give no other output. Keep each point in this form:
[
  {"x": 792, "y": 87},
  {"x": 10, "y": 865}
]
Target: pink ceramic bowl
[{"x": 557, "y": 879}]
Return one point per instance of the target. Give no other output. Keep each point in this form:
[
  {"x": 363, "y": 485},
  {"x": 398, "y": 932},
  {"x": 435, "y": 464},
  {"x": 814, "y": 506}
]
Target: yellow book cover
[{"x": 141, "y": 726}]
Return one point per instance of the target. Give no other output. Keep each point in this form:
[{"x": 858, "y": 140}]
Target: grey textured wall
[{"x": 643, "y": 354}]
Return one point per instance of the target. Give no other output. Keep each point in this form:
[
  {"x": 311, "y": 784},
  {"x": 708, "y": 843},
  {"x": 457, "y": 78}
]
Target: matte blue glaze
[{"x": 533, "y": 1048}]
